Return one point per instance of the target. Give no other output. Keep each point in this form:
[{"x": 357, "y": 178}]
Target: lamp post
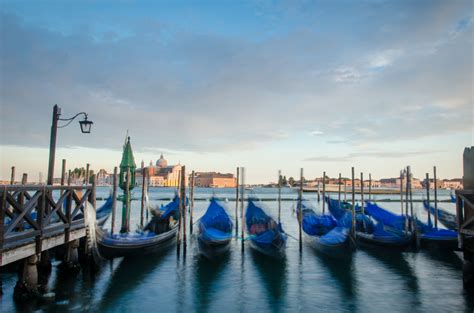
[{"x": 85, "y": 128}]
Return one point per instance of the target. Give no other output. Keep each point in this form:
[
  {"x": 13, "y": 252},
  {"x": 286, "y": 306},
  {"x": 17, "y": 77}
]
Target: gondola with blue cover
[
  {"x": 370, "y": 234},
  {"x": 215, "y": 230},
  {"x": 265, "y": 235},
  {"x": 156, "y": 235},
  {"x": 445, "y": 218},
  {"x": 428, "y": 235},
  {"x": 325, "y": 234}
]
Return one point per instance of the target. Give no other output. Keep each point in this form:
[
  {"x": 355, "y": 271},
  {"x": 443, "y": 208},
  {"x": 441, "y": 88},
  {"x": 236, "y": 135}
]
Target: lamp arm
[
  {"x": 72, "y": 118},
  {"x": 69, "y": 120}
]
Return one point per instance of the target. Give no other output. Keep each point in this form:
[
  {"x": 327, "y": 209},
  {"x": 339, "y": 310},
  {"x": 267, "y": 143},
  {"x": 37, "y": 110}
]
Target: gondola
[
  {"x": 370, "y": 233},
  {"x": 429, "y": 236},
  {"x": 156, "y": 235},
  {"x": 215, "y": 230},
  {"x": 324, "y": 233},
  {"x": 265, "y": 235},
  {"x": 445, "y": 218}
]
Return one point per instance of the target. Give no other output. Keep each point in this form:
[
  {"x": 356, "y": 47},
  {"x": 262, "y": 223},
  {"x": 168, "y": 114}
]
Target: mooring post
[
  {"x": 2, "y": 227},
  {"x": 142, "y": 207},
  {"x": 370, "y": 186},
  {"x": 353, "y": 204},
  {"x": 180, "y": 218},
  {"x": 12, "y": 178},
  {"x": 183, "y": 197},
  {"x": 69, "y": 178},
  {"x": 427, "y": 179},
  {"x": 410, "y": 177},
  {"x": 324, "y": 192},
  {"x": 300, "y": 210},
  {"x": 242, "y": 224},
  {"x": 407, "y": 188},
  {"x": 87, "y": 174},
  {"x": 435, "y": 186},
  {"x": 63, "y": 174},
  {"x": 114, "y": 199},
  {"x": 401, "y": 191},
  {"x": 191, "y": 203},
  {"x": 126, "y": 213},
  {"x": 279, "y": 196},
  {"x": 319, "y": 191},
  {"x": 237, "y": 204},
  {"x": 345, "y": 190},
  {"x": 362, "y": 192},
  {"x": 339, "y": 190}
]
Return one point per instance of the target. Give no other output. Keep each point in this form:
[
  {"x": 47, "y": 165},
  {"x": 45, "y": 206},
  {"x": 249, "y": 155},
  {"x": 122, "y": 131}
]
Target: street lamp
[{"x": 85, "y": 129}]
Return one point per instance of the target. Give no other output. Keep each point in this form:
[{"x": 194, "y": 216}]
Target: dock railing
[{"x": 37, "y": 218}]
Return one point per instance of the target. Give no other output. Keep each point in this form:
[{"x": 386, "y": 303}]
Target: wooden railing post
[
  {"x": 237, "y": 203},
  {"x": 3, "y": 207},
  {"x": 39, "y": 219}
]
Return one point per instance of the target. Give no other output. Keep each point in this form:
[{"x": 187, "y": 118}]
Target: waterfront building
[
  {"x": 214, "y": 180},
  {"x": 161, "y": 174}
]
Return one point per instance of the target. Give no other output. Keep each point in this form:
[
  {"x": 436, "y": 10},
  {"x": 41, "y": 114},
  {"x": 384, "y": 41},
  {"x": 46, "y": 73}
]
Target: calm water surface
[{"x": 244, "y": 281}]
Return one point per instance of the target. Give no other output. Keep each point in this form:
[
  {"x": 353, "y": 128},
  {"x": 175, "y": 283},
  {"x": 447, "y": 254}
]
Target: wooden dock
[{"x": 36, "y": 219}]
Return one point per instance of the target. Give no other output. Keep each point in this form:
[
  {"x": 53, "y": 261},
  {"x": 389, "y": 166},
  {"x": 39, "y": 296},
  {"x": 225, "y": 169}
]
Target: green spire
[
  {"x": 127, "y": 156},
  {"x": 128, "y": 161}
]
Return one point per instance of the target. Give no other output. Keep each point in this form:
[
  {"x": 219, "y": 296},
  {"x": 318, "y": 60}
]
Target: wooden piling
[
  {"x": 279, "y": 196},
  {"x": 362, "y": 192},
  {"x": 242, "y": 170},
  {"x": 339, "y": 190},
  {"x": 87, "y": 173},
  {"x": 114, "y": 199},
  {"x": 142, "y": 206},
  {"x": 353, "y": 205},
  {"x": 63, "y": 173},
  {"x": 324, "y": 192},
  {"x": 237, "y": 203},
  {"x": 319, "y": 191},
  {"x": 435, "y": 186},
  {"x": 126, "y": 214},
  {"x": 183, "y": 200},
  {"x": 12, "y": 178},
  {"x": 191, "y": 203},
  {"x": 428, "y": 196},
  {"x": 345, "y": 190},
  {"x": 69, "y": 178},
  {"x": 401, "y": 191},
  {"x": 300, "y": 210},
  {"x": 410, "y": 177},
  {"x": 370, "y": 186},
  {"x": 407, "y": 187}
]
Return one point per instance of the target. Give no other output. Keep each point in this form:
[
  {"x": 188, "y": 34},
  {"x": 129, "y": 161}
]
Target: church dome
[{"x": 161, "y": 162}]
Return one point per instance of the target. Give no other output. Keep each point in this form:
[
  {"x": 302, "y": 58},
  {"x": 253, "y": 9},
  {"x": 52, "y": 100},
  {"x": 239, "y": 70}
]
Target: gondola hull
[
  {"x": 338, "y": 250},
  {"x": 448, "y": 244},
  {"x": 110, "y": 248},
  {"x": 401, "y": 243},
  {"x": 212, "y": 249},
  {"x": 273, "y": 250}
]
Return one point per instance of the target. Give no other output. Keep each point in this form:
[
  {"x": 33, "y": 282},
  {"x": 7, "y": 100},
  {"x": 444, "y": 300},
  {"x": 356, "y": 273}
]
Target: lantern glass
[{"x": 86, "y": 126}]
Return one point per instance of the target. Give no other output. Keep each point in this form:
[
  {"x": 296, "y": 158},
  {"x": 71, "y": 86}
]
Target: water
[{"x": 372, "y": 281}]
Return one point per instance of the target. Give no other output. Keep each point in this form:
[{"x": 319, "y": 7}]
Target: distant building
[
  {"x": 455, "y": 183},
  {"x": 214, "y": 180},
  {"x": 161, "y": 174}
]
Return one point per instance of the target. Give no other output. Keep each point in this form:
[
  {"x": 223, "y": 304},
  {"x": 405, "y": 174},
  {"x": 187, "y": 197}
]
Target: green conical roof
[{"x": 127, "y": 156}]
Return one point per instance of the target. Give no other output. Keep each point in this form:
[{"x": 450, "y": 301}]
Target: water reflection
[
  {"x": 397, "y": 263},
  {"x": 128, "y": 275},
  {"x": 273, "y": 275},
  {"x": 206, "y": 272},
  {"x": 343, "y": 272}
]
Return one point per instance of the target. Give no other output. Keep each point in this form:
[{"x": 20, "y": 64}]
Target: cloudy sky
[{"x": 263, "y": 84}]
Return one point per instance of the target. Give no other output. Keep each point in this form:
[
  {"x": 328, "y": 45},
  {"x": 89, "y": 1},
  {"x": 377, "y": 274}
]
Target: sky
[{"x": 268, "y": 85}]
